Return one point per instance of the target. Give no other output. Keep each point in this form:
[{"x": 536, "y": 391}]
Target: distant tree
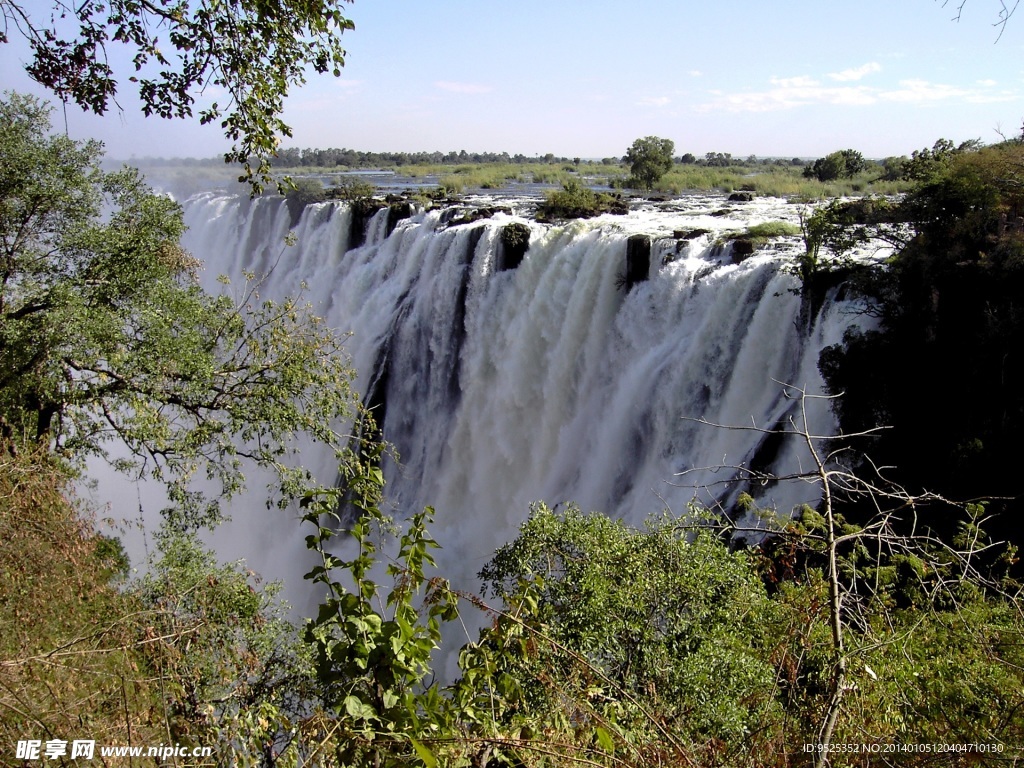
[
  {"x": 717, "y": 159},
  {"x": 253, "y": 51},
  {"x": 650, "y": 158},
  {"x": 893, "y": 168},
  {"x": 688, "y": 159},
  {"x": 843, "y": 164}
]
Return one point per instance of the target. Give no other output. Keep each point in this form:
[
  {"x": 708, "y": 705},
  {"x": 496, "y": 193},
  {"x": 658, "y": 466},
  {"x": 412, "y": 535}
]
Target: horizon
[{"x": 787, "y": 80}]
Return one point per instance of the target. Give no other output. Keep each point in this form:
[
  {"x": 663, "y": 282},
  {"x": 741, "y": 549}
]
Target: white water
[{"x": 548, "y": 381}]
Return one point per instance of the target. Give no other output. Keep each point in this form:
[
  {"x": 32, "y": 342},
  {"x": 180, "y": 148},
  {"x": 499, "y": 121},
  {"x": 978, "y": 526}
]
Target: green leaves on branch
[
  {"x": 107, "y": 337},
  {"x": 251, "y": 51}
]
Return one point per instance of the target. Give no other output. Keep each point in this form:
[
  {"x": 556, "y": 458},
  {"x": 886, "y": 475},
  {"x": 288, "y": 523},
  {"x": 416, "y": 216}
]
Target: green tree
[
  {"x": 252, "y": 50},
  {"x": 649, "y": 159},
  {"x": 658, "y": 610},
  {"x": 950, "y": 311},
  {"x": 105, "y": 334},
  {"x": 195, "y": 650},
  {"x": 843, "y": 164}
]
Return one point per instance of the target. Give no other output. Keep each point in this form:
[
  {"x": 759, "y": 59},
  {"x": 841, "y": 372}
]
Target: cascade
[{"x": 568, "y": 376}]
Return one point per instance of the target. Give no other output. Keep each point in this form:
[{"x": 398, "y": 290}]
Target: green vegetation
[
  {"x": 195, "y": 653},
  {"x": 949, "y": 305},
  {"x": 458, "y": 172},
  {"x": 649, "y": 159},
  {"x": 746, "y": 241},
  {"x": 575, "y": 201},
  {"x": 844, "y": 164},
  {"x": 106, "y": 336},
  {"x": 246, "y": 48}
]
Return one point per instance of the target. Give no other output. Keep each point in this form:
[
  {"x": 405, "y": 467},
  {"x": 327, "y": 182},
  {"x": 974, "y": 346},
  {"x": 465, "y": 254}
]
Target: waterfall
[{"x": 555, "y": 380}]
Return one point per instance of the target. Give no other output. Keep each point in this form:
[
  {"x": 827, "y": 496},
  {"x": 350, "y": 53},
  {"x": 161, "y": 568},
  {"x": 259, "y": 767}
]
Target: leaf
[
  {"x": 425, "y": 754},
  {"x": 605, "y": 740},
  {"x": 359, "y": 709}
]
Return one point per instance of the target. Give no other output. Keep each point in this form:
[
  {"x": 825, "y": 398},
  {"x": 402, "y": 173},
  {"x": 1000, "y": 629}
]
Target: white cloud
[
  {"x": 924, "y": 92},
  {"x": 794, "y": 82},
  {"x": 658, "y": 101},
  {"x": 856, "y": 73},
  {"x": 792, "y": 92},
  {"x": 454, "y": 87},
  {"x": 695, "y": 73}
]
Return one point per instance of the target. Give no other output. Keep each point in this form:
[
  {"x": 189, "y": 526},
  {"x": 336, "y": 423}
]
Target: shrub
[
  {"x": 351, "y": 188},
  {"x": 575, "y": 201}
]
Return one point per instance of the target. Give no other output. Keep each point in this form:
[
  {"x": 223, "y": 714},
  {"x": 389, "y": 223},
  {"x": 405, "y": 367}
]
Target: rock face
[
  {"x": 741, "y": 197},
  {"x": 362, "y": 211},
  {"x": 638, "y": 260},
  {"x": 398, "y": 210},
  {"x": 742, "y": 248},
  {"x": 690, "y": 234},
  {"x": 515, "y": 242}
]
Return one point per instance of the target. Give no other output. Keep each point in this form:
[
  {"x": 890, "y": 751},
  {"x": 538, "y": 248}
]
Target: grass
[{"x": 765, "y": 180}]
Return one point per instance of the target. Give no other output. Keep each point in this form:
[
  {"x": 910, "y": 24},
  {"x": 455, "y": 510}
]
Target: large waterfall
[{"x": 557, "y": 379}]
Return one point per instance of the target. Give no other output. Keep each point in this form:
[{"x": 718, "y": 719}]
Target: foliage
[
  {"x": 303, "y": 192},
  {"x": 351, "y": 189},
  {"x": 252, "y": 51},
  {"x": 106, "y": 336},
  {"x": 306, "y": 191},
  {"x": 575, "y": 201},
  {"x": 65, "y": 658},
  {"x": 649, "y": 159},
  {"x": 841, "y": 225},
  {"x": 949, "y": 310},
  {"x": 195, "y": 651},
  {"x": 613, "y": 647},
  {"x": 845, "y": 163},
  {"x": 234, "y": 673},
  {"x": 925, "y": 164},
  {"x": 373, "y": 657},
  {"x": 770, "y": 229},
  {"x": 685, "y": 628}
]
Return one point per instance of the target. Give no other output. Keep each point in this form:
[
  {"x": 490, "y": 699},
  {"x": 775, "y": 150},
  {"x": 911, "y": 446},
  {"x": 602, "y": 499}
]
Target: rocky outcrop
[
  {"x": 638, "y": 260},
  {"x": 515, "y": 242}
]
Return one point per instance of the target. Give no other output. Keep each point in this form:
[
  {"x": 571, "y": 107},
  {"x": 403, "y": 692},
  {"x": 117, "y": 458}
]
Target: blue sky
[{"x": 585, "y": 78}]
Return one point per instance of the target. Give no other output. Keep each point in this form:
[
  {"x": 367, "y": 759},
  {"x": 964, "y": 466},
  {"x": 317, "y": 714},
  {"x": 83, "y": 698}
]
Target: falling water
[{"x": 555, "y": 380}]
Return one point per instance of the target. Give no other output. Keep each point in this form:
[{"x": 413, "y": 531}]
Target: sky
[{"x": 584, "y": 78}]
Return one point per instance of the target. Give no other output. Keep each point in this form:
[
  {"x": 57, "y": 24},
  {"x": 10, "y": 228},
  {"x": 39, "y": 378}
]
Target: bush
[
  {"x": 351, "y": 188},
  {"x": 575, "y": 201}
]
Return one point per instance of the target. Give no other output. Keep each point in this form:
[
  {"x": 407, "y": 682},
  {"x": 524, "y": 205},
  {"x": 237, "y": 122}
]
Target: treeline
[{"x": 295, "y": 157}]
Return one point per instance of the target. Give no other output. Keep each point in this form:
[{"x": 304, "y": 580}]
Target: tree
[
  {"x": 843, "y": 164},
  {"x": 950, "y": 311},
  {"x": 195, "y": 653},
  {"x": 687, "y": 625},
  {"x": 105, "y": 333},
  {"x": 252, "y": 50},
  {"x": 650, "y": 158}
]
